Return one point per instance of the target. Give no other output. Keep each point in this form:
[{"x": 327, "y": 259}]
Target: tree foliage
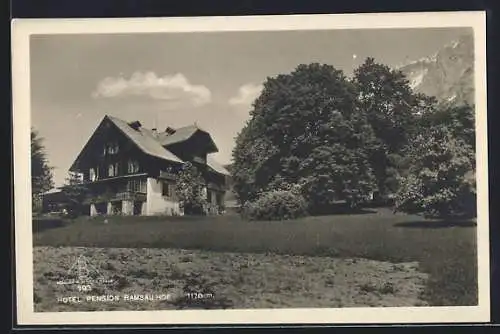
[
  {"x": 75, "y": 192},
  {"x": 305, "y": 128},
  {"x": 441, "y": 180},
  {"x": 339, "y": 140},
  {"x": 41, "y": 172},
  {"x": 391, "y": 106},
  {"x": 458, "y": 119},
  {"x": 276, "y": 205},
  {"x": 189, "y": 189}
]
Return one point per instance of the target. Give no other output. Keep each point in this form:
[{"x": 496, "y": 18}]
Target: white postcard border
[{"x": 23, "y": 28}]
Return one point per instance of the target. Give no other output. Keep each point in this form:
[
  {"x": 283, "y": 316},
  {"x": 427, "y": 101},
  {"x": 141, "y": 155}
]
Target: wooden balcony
[{"x": 129, "y": 196}]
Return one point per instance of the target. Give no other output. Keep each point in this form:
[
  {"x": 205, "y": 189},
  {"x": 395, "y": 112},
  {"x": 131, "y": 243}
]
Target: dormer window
[{"x": 133, "y": 166}]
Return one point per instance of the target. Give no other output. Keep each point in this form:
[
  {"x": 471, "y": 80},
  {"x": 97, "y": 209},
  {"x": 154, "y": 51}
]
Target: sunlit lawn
[{"x": 444, "y": 250}]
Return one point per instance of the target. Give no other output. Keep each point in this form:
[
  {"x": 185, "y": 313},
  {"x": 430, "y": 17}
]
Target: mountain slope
[{"x": 448, "y": 74}]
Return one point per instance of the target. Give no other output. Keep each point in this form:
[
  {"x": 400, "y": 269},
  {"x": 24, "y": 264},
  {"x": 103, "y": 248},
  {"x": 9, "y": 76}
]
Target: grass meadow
[
  {"x": 445, "y": 251},
  {"x": 191, "y": 279}
]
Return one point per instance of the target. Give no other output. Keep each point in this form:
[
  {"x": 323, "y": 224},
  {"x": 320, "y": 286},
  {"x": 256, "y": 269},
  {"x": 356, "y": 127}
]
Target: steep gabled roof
[
  {"x": 218, "y": 168},
  {"x": 145, "y": 140},
  {"x": 180, "y": 135},
  {"x": 183, "y": 134},
  {"x": 142, "y": 138},
  {"x": 151, "y": 143}
]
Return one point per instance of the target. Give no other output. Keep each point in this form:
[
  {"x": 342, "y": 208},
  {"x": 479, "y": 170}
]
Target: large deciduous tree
[
  {"x": 441, "y": 179},
  {"x": 391, "y": 106},
  {"x": 306, "y": 128}
]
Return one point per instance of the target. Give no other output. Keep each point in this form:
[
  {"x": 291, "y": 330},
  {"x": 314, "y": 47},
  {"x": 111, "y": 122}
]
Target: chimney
[
  {"x": 135, "y": 125},
  {"x": 169, "y": 130}
]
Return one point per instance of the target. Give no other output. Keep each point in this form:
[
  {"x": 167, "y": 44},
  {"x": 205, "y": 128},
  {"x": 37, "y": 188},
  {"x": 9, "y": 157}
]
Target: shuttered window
[{"x": 168, "y": 189}]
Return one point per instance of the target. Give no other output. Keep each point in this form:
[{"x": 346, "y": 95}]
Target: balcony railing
[{"x": 129, "y": 196}]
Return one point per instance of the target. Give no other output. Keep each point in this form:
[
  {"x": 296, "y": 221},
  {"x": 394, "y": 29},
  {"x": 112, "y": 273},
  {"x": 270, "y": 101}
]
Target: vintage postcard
[{"x": 304, "y": 169}]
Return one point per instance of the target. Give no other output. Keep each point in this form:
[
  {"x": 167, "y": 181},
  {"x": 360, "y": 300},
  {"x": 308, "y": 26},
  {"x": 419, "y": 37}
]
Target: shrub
[
  {"x": 189, "y": 189},
  {"x": 276, "y": 205},
  {"x": 441, "y": 181}
]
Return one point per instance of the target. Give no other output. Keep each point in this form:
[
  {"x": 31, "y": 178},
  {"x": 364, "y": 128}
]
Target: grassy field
[
  {"x": 189, "y": 279},
  {"x": 446, "y": 251}
]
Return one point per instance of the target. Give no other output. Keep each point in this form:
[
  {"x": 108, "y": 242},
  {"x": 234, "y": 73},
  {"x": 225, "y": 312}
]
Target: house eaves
[{"x": 144, "y": 140}]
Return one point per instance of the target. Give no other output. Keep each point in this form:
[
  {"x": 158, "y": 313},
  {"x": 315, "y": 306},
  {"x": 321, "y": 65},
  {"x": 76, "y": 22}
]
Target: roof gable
[
  {"x": 153, "y": 144},
  {"x": 180, "y": 135},
  {"x": 216, "y": 167},
  {"x": 145, "y": 140},
  {"x": 141, "y": 137},
  {"x": 184, "y": 134}
]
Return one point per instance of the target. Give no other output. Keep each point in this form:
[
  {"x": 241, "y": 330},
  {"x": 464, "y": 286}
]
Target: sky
[{"x": 177, "y": 79}]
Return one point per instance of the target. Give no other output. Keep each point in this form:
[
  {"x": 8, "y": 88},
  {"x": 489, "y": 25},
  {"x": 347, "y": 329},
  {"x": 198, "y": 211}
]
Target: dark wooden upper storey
[{"x": 117, "y": 149}]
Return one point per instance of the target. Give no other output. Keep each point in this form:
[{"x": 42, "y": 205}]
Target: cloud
[
  {"x": 246, "y": 95},
  {"x": 169, "y": 88}
]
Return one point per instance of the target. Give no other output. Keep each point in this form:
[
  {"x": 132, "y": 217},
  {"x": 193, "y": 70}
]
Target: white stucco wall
[
  {"x": 156, "y": 204},
  {"x": 109, "y": 209},
  {"x": 127, "y": 207},
  {"x": 93, "y": 210}
]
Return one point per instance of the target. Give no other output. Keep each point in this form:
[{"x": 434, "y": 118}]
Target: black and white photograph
[{"x": 330, "y": 166}]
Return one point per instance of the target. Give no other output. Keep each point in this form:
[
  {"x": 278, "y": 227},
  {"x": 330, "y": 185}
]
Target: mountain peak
[{"x": 448, "y": 74}]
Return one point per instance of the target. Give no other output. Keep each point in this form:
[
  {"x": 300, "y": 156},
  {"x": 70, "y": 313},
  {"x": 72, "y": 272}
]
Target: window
[
  {"x": 136, "y": 186},
  {"x": 114, "y": 148},
  {"x": 93, "y": 174},
  {"x": 113, "y": 169},
  {"x": 167, "y": 189},
  {"x": 209, "y": 196},
  {"x": 220, "y": 199},
  {"x": 199, "y": 159},
  {"x": 111, "y": 148},
  {"x": 133, "y": 166}
]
